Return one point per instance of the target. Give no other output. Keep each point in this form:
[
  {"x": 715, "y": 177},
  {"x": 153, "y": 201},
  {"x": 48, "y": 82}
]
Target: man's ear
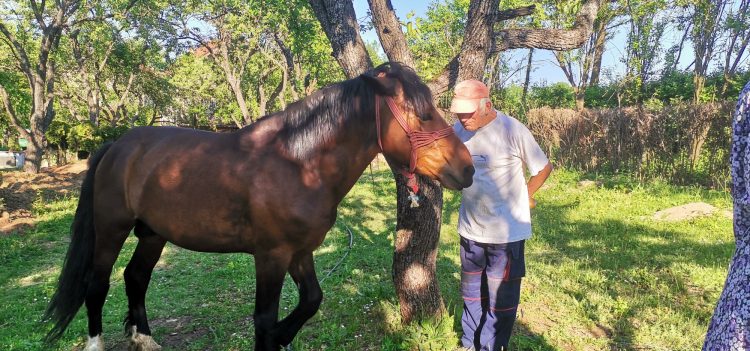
[{"x": 382, "y": 84}]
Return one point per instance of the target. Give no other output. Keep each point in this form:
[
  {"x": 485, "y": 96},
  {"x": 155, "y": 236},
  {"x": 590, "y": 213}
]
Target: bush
[{"x": 683, "y": 143}]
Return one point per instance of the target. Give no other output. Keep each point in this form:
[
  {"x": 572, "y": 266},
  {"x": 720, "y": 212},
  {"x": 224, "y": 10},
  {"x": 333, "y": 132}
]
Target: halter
[{"x": 417, "y": 139}]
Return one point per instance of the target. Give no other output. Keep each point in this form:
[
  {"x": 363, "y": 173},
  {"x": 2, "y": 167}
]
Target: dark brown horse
[{"x": 270, "y": 189}]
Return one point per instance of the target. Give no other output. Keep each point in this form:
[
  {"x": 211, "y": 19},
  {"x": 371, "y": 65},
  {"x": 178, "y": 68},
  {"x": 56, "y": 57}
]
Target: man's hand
[{"x": 532, "y": 202}]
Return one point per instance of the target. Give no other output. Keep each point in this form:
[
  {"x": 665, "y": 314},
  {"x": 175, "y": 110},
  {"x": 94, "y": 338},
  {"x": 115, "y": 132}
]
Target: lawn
[{"x": 601, "y": 275}]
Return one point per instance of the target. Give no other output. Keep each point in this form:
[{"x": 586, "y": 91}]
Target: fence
[{"x": 682, "y": 143}]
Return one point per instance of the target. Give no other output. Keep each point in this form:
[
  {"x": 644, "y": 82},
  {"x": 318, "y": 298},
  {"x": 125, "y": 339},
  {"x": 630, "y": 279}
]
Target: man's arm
[{"x": 536, "y": 181}]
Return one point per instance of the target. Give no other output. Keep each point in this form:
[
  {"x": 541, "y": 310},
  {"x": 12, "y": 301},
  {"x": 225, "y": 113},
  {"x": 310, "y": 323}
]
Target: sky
[{"x": 545, "y": 68}]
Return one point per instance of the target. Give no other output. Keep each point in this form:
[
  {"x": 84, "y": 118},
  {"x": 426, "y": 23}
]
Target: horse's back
[{"x": 180, "y": 183}]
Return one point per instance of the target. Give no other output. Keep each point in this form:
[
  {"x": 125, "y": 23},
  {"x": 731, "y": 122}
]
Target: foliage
[
  {"x": 670, "y": 89},
  {"x": 435, "y": 39},
  {"x": 82, "y": 136},
  {"x": 647, "y": 26}
]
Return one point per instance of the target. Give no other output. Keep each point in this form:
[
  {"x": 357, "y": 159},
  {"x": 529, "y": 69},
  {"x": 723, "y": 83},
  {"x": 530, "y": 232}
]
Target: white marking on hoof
[
  {"x": 142, "y": 342},
  {"x": 94, "y": 344}
]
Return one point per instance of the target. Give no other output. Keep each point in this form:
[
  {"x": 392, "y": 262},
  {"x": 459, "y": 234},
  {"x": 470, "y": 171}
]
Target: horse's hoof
[
  {"x": 94, "y": 344},
  {"x": 142, "y": 342}
]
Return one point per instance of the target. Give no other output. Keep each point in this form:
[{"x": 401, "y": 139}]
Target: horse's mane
[{"x": 316, "y": 118}]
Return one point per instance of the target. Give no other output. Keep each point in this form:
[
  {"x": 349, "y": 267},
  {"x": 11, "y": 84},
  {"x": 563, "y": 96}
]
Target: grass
[{"x": 601, "y": 275}]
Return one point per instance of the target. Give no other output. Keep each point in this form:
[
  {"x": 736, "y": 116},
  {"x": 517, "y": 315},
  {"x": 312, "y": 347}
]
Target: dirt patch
[
  {"x": 19, "y": 191},
  {"x": 178, "y": 332},
  {"x": 684, "y": 212}
]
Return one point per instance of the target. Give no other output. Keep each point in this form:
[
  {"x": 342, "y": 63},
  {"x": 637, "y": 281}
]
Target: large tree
[
  {"x": 647, "y": 25},
  {"x": 707, "y": 17},
  {"x": 418, "y": 230},
  {"x": 32, "y": 32},
  {"x": 582, "y": 66},
  {"x": 267, "y": 51},
  {"x": 738, "y": 26}
]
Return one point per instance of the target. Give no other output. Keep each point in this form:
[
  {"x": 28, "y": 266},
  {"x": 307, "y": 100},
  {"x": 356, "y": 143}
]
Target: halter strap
[{"x": 417, "y": 138}]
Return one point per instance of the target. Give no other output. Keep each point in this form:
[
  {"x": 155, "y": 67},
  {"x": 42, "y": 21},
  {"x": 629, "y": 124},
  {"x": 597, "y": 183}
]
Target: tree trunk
[
  {"x": 699, "y": 82},
  {"x": 417, "y": 229},
  {"x": 235, "y": 85},
  {"x": 340, "y": 25},
  {"x": 415, "y": 255},
  {"x": 599, "y": 46},
  {"x": 389, "y": 32},
  {"x": 37, "y": 141},
  {"x": 580, "y": 99},
  {"x": 527, "y": 82},
  {"x": 478, "y": 40}
]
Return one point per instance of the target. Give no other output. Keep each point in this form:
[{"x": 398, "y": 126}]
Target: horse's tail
[{"x": 77, "y": 268}]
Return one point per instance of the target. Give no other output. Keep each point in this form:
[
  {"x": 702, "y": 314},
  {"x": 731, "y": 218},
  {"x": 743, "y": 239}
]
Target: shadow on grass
[{"x": 637, "y": 262}]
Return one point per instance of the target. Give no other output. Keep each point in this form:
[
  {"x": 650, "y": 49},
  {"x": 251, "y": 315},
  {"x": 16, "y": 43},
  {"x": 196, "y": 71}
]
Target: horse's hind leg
[
  {"x": 270, "y": 270},
  {"x": 109, "y": 240},
  {"x": 137, "y": 276},
  {"x": 302, "y": 271}
]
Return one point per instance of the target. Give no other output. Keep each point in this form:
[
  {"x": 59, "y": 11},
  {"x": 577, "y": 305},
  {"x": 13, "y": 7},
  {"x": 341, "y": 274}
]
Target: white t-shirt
[{"x": 495, "y": 208}]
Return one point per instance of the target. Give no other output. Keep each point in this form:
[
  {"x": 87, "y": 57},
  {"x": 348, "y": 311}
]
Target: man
[{"x": 494, "y": 218}]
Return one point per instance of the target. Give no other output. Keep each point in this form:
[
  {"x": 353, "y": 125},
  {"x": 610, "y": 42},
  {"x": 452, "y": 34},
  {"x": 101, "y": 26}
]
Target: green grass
[{"x": 601, "y": 275}]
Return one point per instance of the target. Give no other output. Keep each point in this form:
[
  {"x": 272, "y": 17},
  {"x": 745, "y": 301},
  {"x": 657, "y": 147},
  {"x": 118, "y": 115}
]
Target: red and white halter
[{"x": 417, "y": 139}]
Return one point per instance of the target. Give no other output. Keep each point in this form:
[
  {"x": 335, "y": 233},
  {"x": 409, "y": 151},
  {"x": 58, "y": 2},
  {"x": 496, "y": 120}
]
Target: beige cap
[{"x": 467, "y": 96}]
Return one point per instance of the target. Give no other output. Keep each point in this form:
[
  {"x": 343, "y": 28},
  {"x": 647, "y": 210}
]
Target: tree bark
[
  {"x": 416, "y": 246},
  {"x": 527, "y": 81},
  {"x": 551, "y": 39},
  {"x": 599, "y": 45},
  {"x": 340, "y": 25},
  {"x": 389, "y": 32}
]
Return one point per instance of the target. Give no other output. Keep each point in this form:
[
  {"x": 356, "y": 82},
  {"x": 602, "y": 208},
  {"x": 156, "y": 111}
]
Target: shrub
[{"x": 683, "y": 143}]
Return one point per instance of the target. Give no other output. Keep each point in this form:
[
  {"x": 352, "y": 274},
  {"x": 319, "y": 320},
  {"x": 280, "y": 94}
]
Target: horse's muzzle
[{"x": 455, "y": 181}]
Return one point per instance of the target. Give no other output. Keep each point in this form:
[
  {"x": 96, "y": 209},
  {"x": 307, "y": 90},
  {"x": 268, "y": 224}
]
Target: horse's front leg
[
  {"x": 270, "y": 269},
  {"x": 302, "y": 270}
]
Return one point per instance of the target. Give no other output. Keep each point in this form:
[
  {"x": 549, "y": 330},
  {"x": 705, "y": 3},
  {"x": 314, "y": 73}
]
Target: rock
[
  {"x": 588, "y": 183},
  {"x": 683, "y": 212}
]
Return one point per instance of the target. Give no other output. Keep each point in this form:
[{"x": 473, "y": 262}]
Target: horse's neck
[
  {"x": 339, "y": 161},
  {"x": 354, "y": 150}
]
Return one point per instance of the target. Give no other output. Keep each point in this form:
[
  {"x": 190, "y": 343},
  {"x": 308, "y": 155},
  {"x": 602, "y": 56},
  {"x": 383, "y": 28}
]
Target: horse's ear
[{"x": 381, "y": 83}]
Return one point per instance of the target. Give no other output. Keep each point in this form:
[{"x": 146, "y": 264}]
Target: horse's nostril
[{"x": 469, "y": 171}]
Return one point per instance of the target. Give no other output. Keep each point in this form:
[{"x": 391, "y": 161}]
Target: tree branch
[
  {"x": 551, "y": 39},
  {"x": 38, "y": 12},
  {"x": 18, "y": 51},
  {"x": 102, "y": 17},
  {"x": 5, "y": 99},
  {"x": 505, "y": 15}
]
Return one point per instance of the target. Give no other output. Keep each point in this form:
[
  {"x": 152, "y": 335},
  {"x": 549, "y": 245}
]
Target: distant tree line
[{"x": 74, "y": 73}]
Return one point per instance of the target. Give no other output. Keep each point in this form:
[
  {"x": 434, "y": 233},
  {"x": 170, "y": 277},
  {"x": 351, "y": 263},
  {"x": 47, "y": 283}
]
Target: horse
[{"x": 270, "y": 189}]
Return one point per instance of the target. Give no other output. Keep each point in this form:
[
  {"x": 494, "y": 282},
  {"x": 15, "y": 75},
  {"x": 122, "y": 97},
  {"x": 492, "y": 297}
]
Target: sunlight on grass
[{"x": 38, "y": 277}]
